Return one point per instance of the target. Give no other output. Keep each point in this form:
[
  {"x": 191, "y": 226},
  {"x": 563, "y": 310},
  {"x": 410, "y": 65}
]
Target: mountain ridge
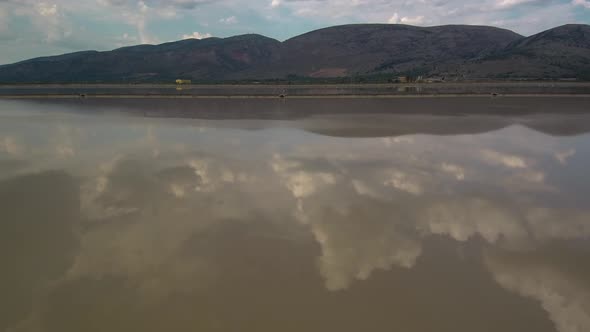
[{"x": 353, "y": 50}]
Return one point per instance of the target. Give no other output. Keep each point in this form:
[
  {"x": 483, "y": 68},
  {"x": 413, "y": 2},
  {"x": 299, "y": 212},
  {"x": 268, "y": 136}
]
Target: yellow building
[{"x": 181, "y": 81}]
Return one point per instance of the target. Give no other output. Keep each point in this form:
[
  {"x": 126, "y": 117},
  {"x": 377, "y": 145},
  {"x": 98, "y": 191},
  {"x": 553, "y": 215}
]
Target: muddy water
[{"x": 286, "y": 221}]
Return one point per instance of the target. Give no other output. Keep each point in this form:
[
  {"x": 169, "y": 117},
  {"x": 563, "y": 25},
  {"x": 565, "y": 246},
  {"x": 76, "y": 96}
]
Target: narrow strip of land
[{"x": 163, "y": 96}]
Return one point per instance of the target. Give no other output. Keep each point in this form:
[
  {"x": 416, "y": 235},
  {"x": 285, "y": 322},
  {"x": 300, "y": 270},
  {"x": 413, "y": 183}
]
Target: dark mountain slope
[
  {"x": 351, "y": 50},
  {"x": 556, "y": 53},
  {"x": 378, "y": 48},
  {"x": 210, "y": 58}
]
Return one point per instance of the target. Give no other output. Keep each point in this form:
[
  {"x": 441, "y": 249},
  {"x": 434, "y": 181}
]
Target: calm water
[{"x": 274, "y": 221}]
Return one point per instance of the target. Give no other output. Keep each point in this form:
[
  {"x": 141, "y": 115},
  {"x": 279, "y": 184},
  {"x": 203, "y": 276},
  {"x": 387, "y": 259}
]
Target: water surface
[{"x": 295, "y": 216}]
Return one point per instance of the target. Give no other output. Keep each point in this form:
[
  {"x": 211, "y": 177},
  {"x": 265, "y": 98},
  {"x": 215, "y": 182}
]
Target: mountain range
[{"x": 461, "y": 52}]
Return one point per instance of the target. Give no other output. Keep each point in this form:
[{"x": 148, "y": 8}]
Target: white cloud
[
  {"x": 143, "y": 8},
  {"x": 565, "y": 297},
  {"x": 47, "y": 18},
  {"x": 511, "y": 3},
  {"x": 139, "y": 14},
  {"x": 178, "y": 191},
  {"x": 507, "y": 160},
  {"x": 417, "y": 20},
  {"x": 352, "y": 249},
  {"x": 356, "y": 236},
  {"x": 363, "y": 189},
  {"x": 467, "y": 217},
  {"x": 394, "y": 19},
  {"x": 64, "y": 141},
  {"x": 563, "y": 156},
  {"x": 354, "y": 241},
  {"x": 454, "y": 170},
  {"x": 126, "y": 40},
  {"x": 539, "y": 15},
  {"x": 145, "y": 247},
  {"x": 583, "y": 3},
  {"x": 146, "y": 252},
  {"x": 304, "y": 184},
  {"x": 180, "y": 4},
  {"x": 533, "y": 176},
  {"x": 229, "y": 20},
  {"x": 535, "y": 20},
  {"x": 280, "y": 165},
  {"x": 8, "y": 144},
  {"x": 275, "y": 3},
  {"x": 404, "y": 182},
  {"x": 300, "y": 183},
  {"x": 211, "y": 174},
  {"x": 197, "y": 35},
  {"x": 45, "y": 9},
  {"x": 391, "y": 141},
  {"x": 140, "y": 22}
]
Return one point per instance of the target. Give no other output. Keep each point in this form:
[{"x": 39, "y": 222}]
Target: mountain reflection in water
[{"x": 111, "y": 221}]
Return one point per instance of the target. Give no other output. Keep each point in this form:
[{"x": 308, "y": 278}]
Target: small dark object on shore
[
  {"x": 82, "y": 95},
  {"x": 494, "y": 94},
  {"x": 283, "y": 94}
]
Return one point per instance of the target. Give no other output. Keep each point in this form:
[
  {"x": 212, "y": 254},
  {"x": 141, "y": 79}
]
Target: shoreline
[
  {"x": 412, "y": 90},
  {"x": 286, "y": 85},
  {"x": 342, "y": 96}
]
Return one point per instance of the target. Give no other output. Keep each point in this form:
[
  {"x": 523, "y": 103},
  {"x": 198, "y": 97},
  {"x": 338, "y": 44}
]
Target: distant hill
[
  {"x": 361, "y": 50},
  {"x": 556, "y": 53},
  {"x": 207, "y": 59},
  {"x": 386, "y": 48}
]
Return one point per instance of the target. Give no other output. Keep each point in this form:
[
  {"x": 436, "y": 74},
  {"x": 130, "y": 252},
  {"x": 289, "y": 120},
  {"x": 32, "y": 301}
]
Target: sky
[{"x": 30, "y": 28}]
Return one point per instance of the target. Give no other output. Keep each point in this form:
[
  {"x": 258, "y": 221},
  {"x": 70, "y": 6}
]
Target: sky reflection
[{"x": 125, "y": 223}]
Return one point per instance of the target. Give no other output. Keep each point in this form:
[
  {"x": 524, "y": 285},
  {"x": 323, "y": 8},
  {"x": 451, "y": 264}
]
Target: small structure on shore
[
  {"x": 435, "y": 79},
  {"x": 406, "y": 79},
  {"x": 183, "y": 81},
  {"x": 403, "y": 79}
]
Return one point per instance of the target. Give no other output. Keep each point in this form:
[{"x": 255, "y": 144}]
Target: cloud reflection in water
[{"x": 323, "y": 215}]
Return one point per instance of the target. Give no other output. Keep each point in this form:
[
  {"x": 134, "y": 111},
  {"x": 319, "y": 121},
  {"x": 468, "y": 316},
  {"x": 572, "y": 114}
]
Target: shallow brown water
[{"x": 275, "y": 220}]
